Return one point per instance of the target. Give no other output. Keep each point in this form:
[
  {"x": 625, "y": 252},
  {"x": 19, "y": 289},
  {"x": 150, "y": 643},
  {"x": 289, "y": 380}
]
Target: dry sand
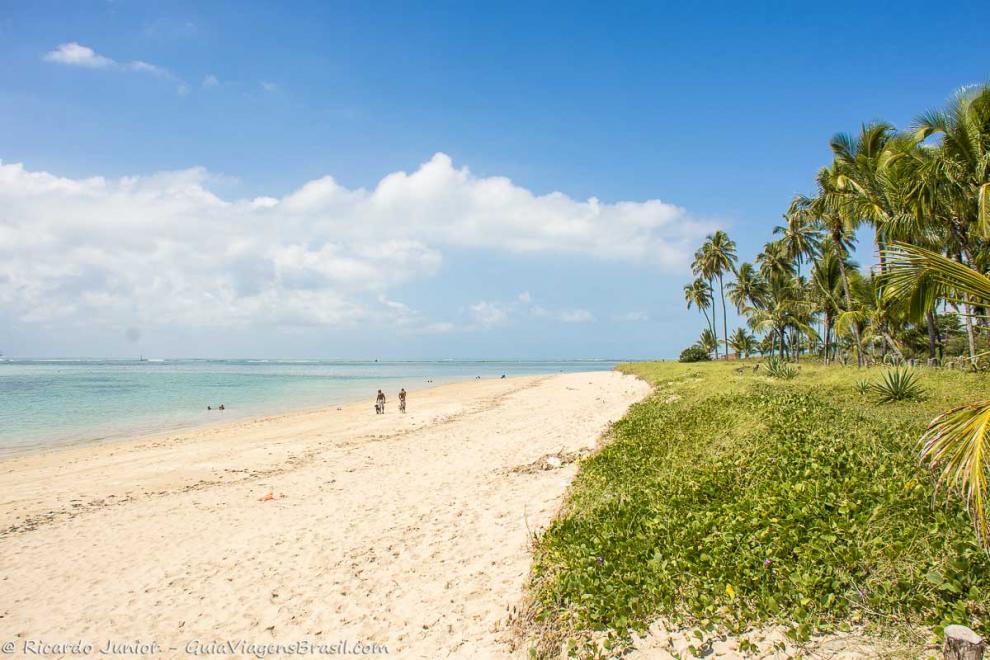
[{"x": 409, "y": 531}]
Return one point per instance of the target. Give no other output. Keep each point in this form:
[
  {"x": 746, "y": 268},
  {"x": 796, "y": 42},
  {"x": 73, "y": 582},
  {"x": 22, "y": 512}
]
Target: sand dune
[{"x": 405, "y": 531}]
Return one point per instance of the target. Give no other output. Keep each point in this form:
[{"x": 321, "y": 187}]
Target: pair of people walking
[{"x": 380, "y": 402}]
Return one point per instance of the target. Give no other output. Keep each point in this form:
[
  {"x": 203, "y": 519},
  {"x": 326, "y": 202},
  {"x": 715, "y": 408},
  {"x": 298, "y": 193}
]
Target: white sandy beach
[{"x": 408, "y": 531}]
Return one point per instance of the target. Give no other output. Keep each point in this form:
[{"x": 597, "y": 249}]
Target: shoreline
[
  {"x": 233, "y": 416},
  {"x": 411, "y": 530}
]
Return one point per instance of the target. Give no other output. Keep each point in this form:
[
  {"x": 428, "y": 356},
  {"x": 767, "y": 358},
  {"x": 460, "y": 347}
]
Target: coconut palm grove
[
  {"x": 925, "y": 193},
  {"x": 812, "y": 480}
]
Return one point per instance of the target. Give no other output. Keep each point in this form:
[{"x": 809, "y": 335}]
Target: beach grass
[{"x": 729, "y": 500}]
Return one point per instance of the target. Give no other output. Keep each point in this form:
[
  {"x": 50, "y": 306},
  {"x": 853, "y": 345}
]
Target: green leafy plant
[
  {"x": 749, "y": 505},
  {"x": 863, "y": 386},
  {"x": 898, "y": 385},
  {"x": 694, "y": 354},
  {"x": 777, "y": 368}
]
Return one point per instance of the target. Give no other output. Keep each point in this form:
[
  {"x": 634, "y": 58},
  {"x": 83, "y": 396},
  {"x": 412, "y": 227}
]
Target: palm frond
[
  {"x": 983, "y": 213},
  {"x": 957, "y": 443},
  {"x": 906, "y": 264}
]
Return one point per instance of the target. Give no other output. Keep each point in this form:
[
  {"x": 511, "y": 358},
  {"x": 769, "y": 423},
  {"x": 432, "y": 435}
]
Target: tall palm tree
[
  {"x": 963, "y": 156},
  {"x": 785, "y": 309},
  {"x": 840, "y": 226},
  {"x": 799, "y": 236},
  {"x": 702, "y": 274},
  {"x": 917, "y": 218},
  {"x": 826, "y": 283},
  {"x": 716, "y": 258},
  {"x": 774, "y": 260},
  {"x": 957, "y": 441},
  {"x": 955, "y": 184},
  {"x": 699, "y": 294},
  {"x": 859, "y": 176},
  {"x": 749, "y": 289}
]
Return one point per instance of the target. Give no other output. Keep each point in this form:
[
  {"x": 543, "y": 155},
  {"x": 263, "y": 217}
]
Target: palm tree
[
  {"x": 874, "y": 314},
  {"x": 699, "y": 294},
  {"x": 826, "y": 285},
  {"x": 775, "y": 261},
  {"x": 785, "y": 309},
  {"x": 954, "y": 184},
  {"x": 963, "y": 157},
  {"x": 840, "y": 226},
  {"x": 916, "y": 218},
  {"x": 957, "y": 441},
  {"x": 860, "y": 177},
  {"x": 742, "y": 342},
  {"x": 700, "y": 269},
  {"x": 708, "y": 342},
  {"x": 749, "y": 289},
  {"x": 717, "y": 257},
  {"x": 799, "y": 236}
]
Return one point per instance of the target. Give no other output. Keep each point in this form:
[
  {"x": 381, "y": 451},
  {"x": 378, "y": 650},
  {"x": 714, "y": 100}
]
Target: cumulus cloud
[
  {"x": 210, "y": 80},
  {"x": 75, "y": 54},
  {"x": 487, "y": 314},
  {"x": 164, "y": 249}
]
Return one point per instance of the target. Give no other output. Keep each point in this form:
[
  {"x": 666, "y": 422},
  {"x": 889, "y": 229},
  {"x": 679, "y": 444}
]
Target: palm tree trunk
[
  {"x": 826, "y": 334},
  {"x": 970, "y": 335},
  {"x": 893, "y": 345},
  {"x": 704, "y": 310},
  {"x": 725, "y": 320},
  {"x": 932, "y": 335},
  {"x": 880, "y": 249},
  {"x": 713, "y": 317},
  {"x": 967, "y": 310},
  {"x": 849, "y": 302}
]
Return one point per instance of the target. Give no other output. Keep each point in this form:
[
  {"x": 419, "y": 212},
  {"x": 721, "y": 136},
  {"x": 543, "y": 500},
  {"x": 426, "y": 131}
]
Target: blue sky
[{"x": 721, "y": 112}]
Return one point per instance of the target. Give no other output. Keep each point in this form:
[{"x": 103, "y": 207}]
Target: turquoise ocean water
[{"x": 44, "y": 403}]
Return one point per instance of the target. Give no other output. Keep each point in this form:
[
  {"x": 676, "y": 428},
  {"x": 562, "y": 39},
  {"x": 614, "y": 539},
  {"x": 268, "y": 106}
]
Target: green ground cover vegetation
[{"x": 730, "y": 499}]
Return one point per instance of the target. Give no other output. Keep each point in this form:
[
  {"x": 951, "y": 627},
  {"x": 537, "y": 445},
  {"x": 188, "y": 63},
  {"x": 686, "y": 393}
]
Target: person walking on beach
[
  {"x": 402, "y": 400},
  {"x": 380, "y": 402}
]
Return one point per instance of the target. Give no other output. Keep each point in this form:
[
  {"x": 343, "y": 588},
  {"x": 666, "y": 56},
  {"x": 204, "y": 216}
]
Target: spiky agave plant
[
  {"x": 898, "y": 385},
  {"x": 863, "y": 386},
  {"x": 777, "y": 368}
]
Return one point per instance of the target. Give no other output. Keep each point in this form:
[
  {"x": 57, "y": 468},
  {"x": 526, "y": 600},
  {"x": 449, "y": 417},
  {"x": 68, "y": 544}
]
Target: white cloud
[
  {"x": 631, "y": 317},
  {"x": 210, "y": 80},
  {"x": 564, "y": 315},
  {"x": 164, "y": 249},
  {"x": 575, "y": 316},
  {"x": 268, "y": 86},
  {"x": 75, "y": 54},
  {"x": 144, "y": 67},
  {"x": 487, "y": 314}
]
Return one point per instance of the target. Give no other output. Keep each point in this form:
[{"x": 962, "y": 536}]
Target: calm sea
[{"x": 50, "y": 402}]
